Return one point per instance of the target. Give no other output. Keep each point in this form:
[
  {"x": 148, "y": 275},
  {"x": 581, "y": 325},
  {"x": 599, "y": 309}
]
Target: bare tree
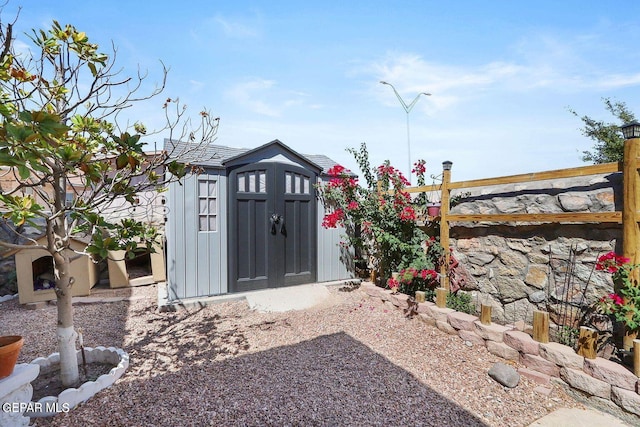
[{"x": 62, "y": 147}]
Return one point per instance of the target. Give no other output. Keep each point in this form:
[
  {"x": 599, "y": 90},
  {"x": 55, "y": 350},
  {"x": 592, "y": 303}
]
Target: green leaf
[
  {"x": 122, "y": 161},
  {"x": 24, "y": 172},
  {"x": 93, "y": 69}
]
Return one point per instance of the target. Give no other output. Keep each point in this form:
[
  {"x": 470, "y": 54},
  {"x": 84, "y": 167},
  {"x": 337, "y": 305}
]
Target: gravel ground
[{"x": 354, "y": 361}]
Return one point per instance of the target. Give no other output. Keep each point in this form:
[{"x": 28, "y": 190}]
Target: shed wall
[
  {"x": 196, "y": 260},
  {"x": 334, "y": 262}
]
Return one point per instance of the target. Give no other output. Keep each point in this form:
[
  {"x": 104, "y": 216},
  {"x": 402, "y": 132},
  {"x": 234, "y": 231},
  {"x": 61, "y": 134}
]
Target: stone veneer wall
[
  {"x": 519, "y": 269},
  {"x": 606, "y": 384}
]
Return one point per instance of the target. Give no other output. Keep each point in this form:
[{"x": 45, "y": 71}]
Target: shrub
[
  {"x": 461, "y": 301},
  {"x": 379, "y": 219}
]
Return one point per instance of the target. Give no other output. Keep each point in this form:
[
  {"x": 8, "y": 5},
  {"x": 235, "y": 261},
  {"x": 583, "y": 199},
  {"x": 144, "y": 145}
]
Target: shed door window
[
  {"x": 207, "y": 205},
  {"x": 252, "y": 182},
  {"x": 296, "y": 184}
]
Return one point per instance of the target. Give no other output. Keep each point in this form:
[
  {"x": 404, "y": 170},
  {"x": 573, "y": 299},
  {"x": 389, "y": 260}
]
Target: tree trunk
[{"x": 65, "y": 332}]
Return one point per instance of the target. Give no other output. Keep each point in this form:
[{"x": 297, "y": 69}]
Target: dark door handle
[
  {"x": 274, "y": 219},
  {"x": 283, "y": 230}
]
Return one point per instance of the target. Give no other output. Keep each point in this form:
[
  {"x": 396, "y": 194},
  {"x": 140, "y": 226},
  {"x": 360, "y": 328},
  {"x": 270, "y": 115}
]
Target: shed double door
[{"x": 272, "y": 226}]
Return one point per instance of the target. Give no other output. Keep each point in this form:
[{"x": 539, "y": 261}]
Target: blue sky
[{"x": 502, "y": 74}]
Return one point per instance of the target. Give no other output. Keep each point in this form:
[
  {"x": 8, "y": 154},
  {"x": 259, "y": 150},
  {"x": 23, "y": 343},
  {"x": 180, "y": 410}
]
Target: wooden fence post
[
  {"x": 444, "y": 223},
  {"x": 588, "y": 342},
  {"x": 541, "y": 326},
  {"x": 631, "y": 201},
  {"x": 636, "y": 357},
  {"x": 485, "y": 314},
  {"x": 441, "y": 297}
]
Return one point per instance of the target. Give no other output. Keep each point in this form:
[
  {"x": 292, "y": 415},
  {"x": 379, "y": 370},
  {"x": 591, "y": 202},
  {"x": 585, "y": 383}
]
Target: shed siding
[
  {"x": 334, "y": 263},
  {"x": 196, "y": 261}
]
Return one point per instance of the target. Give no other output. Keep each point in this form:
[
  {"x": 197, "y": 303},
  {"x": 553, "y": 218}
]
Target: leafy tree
[
  {"x": 59, "y": 104},
  {"x": 609, "y": 143}
]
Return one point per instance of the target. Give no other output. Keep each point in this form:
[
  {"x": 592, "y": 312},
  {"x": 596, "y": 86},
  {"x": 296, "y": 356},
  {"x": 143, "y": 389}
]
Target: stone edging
[
  {"x": 599, "y": 378},
  {"x": 71, "y": 397}
]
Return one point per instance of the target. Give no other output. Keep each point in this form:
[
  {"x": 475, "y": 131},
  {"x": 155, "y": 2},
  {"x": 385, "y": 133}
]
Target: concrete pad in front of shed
[
  {"x": 288, "y": 298},
  {"x": 573, "y": 417}
]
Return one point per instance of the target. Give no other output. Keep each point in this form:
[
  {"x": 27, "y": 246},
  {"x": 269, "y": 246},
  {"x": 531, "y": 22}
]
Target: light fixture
[
  {"x": 446, "y": 165},
  {"x": 631, "y": 130},
  {"x": 407, "y": 109}
]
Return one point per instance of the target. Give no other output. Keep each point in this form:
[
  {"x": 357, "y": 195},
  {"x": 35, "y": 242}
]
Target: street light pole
[{"x": 407, "y": 109}]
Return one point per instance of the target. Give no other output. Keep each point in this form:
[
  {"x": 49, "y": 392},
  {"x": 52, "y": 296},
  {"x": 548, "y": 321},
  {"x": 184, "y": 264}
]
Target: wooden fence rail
[{"x": 628, "y": 216}]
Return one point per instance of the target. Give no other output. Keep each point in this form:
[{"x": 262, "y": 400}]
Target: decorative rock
[
  {"x": 471, "y": 337},
  {"x": 400, "y": 300},
  {"x": 628, "y": 400},
  {"x": 513, "y": 259},
  {"x": 422, "y": 307},
  {"x": 522, "y": 342},
  {"x": 545, "y": 391},
  {"x": 370, "y": 289},
  {"x": 537, "y": 276},
  {"x": 574, "y": 202},
  {"x": 520, "y": 325},
  {"x": 480, "y": 258},
  {"x": 535, "y": 376},
  {"x": 561, "y": 355},
  {"x": 439, "y": 313},
  {"x": 462, "y": 320},
  {"x": 492, "y": 332},
  {"x": 444, "y": 326},
  {"x": 539, "y": 364},
  {"x": 502, "y": 350},
  {"x": 511, "y": 288},
  {"x": 385, "y": 294},
  {"x": 537, "y": 297},
  {"x": 504, "y": 374},
  {"x": 427, "y": 319},
  {"x": 519, "y": 245},
  {"x": 611, "y": 372},
  {"x": 588, "y": 384}
]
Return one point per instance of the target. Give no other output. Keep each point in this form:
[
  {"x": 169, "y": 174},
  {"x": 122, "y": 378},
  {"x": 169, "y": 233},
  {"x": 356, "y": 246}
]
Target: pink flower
[
  {"x": 335, "y": 182},
  {"x": 353, "y": 205},
  {"x": 611, "y": 263},
  {"x": 331, "y": 220},
  {"x": 336, "y": 170},
  {"x": 419, "y": 168},
  {"x": 617, "y": 299},
  {"x": 408, "y": 214}
]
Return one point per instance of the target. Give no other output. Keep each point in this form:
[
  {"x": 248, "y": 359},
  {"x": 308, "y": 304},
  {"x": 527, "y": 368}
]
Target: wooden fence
[{"x": 628, "y": 216}]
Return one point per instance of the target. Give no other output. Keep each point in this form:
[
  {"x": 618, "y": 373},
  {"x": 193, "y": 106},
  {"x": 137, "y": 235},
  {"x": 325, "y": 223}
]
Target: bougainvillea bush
[
  {"x": 379, "y": 217},
  {"x": 623, "y": 304}
]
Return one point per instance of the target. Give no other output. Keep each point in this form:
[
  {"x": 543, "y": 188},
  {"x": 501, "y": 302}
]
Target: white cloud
[
  {"x": 237, "y": 29},
  {"x": 265, "y": 97}
]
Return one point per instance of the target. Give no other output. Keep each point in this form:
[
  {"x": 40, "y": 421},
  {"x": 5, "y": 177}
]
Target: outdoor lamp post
[
  {"x": 631, "y": 130},
  {"x": 407, "y": 109},
  {"x": 630, "y": 229}
]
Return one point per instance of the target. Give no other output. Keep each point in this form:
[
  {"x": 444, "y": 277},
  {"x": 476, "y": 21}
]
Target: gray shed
[{"x": 247, "y": 220}]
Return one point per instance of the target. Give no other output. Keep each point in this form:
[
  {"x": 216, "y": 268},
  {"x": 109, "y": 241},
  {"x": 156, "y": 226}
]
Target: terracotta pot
[
  {"x": 9, "y": 349},
  {"x": 433, "y": 209}
]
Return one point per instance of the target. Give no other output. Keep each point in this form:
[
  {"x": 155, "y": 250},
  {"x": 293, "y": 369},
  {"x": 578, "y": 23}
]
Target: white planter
[{"x": 71, "y": 397}]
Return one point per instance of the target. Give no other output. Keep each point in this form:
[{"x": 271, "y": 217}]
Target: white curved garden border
[{"x": 71, "y": 397}]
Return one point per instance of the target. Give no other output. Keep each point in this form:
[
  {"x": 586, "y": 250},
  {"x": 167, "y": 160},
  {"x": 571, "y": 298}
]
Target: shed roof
[{"x": 216, "y": 156}]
